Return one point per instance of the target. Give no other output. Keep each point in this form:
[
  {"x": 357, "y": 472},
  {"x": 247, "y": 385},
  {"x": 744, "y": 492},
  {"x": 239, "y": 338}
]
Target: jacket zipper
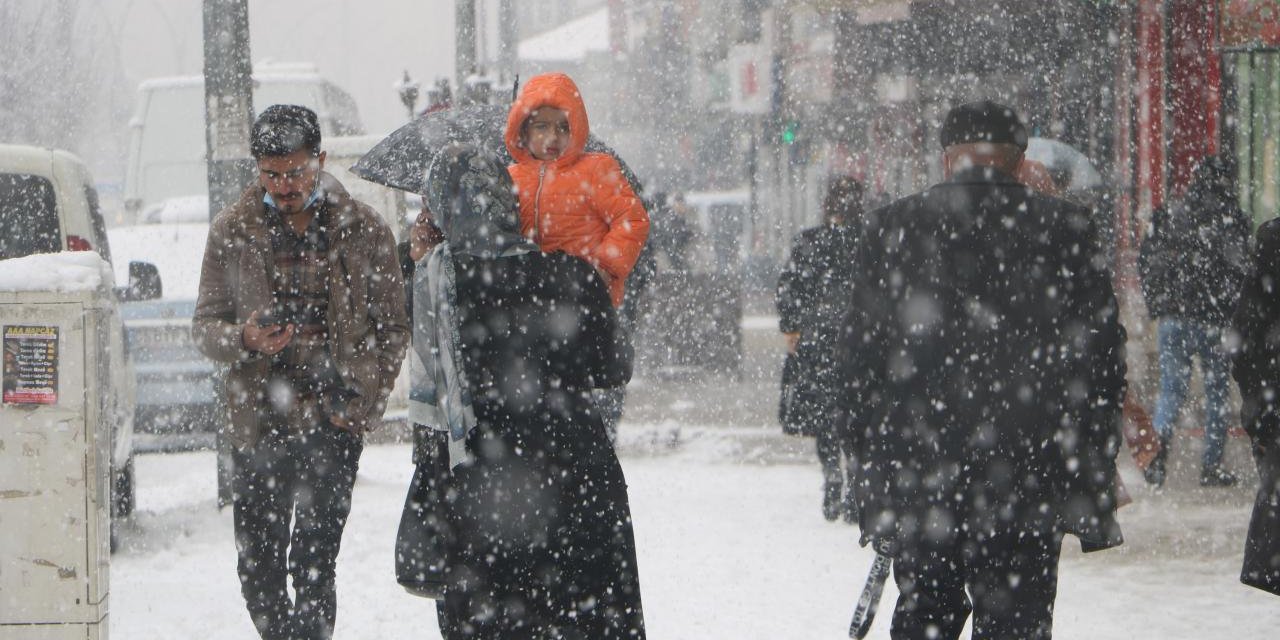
[{"x": 537, "y": 205}]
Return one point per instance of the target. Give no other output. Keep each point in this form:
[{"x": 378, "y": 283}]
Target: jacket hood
[{"x": 555, "y": 90}]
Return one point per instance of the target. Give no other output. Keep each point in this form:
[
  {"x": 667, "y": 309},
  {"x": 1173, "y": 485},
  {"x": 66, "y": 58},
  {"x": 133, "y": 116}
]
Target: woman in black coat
[
  {"x": 812, "y": 294},
  {"x": 540, "y": 540},
  {"x": 1257, "y": 371}
]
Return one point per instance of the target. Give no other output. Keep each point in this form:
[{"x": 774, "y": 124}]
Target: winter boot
[
  {"x": 1217, "y": 476},
  {"x": 831, "y": 501},
  {"x": 1155, "y": 471},
  {"x": 849, "y": 507}
]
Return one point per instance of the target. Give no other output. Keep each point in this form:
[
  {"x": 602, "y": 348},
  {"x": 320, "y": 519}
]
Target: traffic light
[{"x": 789, "y": 129}]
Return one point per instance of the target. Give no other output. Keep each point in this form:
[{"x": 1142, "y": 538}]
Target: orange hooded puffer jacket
[{"x": 579, "y": 203}]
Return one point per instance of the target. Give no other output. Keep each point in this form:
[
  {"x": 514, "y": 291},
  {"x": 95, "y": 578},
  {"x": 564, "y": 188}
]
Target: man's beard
[
  {"x": 295, "y": 202},
  {"x": 295, "y": 206}
]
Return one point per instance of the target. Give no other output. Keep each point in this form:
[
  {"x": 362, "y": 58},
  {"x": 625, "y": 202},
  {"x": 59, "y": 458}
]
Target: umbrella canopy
[
  {"x": 403, "y": 159},
  {"x": 1069, "y": 167}
]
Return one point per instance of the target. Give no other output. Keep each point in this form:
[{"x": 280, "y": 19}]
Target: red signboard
[{"x": 1250, "y": 23}]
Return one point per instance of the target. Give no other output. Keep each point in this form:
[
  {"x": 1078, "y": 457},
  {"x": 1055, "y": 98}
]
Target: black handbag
[
  {"x": 801, "y": 403},
  {"x": 420, "y": 540}
]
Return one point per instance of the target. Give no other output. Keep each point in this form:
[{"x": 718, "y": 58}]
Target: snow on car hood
[
  {"x": 66, "y": 271},
  {"x": 175, "y": 249}
]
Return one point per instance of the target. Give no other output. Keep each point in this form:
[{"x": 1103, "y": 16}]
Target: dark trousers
[
  {"x": 1011, "y": 574},
  {"x": 835, "y": 446},
  {"x": 292, "y": 495}
]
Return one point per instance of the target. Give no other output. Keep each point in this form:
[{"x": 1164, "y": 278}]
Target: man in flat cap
[{"x": 985, "y": 358}]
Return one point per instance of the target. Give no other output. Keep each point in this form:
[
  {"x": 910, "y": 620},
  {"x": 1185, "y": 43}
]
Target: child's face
[{"x": 547, "y": 133}]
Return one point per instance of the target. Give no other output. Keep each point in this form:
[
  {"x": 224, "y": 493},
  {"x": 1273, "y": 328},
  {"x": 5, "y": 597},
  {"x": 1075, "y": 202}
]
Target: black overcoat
[
  {"x": 1257, "y": 370},
  {"x": 541, "y": 541},
  {"x": 985, "y": 352},
  {"x": 813, "y": 290}
]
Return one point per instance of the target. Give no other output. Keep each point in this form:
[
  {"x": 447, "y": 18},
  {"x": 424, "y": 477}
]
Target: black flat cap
[{"x": 983, "y": 121}]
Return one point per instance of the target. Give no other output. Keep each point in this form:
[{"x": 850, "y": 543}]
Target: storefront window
[
  {"x": 1249, "y": 33},
  {"x": 1257, "y": 127}
]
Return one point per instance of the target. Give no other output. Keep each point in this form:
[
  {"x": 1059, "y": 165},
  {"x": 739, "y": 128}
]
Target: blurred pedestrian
[
  {"x": 812, "y": 297},
  {"x": 509, "y": 343},
  {"x": 672, "y": 231},
  {"x": 985, "y": 363},
  {"x": 1257, "y": 370},
  {"x": 1192, "y": 266},
  {"x": 301, "y": 295}
]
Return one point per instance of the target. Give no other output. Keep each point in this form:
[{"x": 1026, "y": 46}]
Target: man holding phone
[{"x": 301, "y": 294}]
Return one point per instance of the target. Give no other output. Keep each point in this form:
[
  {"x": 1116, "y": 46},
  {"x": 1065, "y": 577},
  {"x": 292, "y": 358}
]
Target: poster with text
[{"x": 30, "y": 373}]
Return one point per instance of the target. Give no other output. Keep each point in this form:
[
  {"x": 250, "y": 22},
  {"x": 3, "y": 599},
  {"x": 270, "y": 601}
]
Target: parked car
[
  {"x": 47, "y": 205},
  {"x": 176, "y": 384}
]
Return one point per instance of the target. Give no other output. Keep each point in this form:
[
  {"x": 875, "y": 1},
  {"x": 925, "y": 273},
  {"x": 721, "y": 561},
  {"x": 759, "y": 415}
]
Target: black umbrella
[{"x": 402, "y": 159}]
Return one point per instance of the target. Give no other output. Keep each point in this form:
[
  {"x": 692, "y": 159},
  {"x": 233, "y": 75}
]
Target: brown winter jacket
[
  {"x": 579, "y": 203},
  {"x": 367, "y": 326}
]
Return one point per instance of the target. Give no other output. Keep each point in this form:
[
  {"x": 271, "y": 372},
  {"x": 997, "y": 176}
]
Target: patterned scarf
[{"x": 480, "y": 217}]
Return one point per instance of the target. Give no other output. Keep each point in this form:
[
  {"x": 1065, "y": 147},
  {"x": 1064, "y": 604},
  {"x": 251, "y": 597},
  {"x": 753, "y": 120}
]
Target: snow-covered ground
[{"x": 731, "y": 545}]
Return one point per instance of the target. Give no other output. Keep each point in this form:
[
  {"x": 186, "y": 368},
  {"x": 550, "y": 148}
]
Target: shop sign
[{"x": 750, "y": 79}]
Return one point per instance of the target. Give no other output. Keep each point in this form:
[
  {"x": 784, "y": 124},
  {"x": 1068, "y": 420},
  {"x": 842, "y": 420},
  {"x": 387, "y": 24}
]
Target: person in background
[
  {"x": 672, "y": 230},
  {"x": 1257, "y": 371},
  {"x": 811, "y": 298},
  {"x": 1192, "y": 266},
  {"x": 301, "y": 295},
  {"x": 984, "y": 367}
]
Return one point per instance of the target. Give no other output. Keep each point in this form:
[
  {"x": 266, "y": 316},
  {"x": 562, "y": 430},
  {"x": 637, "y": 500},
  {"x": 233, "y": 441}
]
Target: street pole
[
  {"x": 507, "y": 42},
  {"x": 228, "y": 96},
  {"x": 228, "y": 99},
  {"x": 465, "y": 52},
  {"x": 783, "y": 111}
]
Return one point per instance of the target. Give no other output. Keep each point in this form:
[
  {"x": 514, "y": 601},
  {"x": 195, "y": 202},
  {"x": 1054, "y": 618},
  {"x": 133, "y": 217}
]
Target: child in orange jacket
[{"x": 571, "y": 200}]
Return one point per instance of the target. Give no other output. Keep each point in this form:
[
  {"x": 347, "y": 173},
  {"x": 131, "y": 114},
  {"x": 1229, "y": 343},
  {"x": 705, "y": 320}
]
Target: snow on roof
[
  {"x": 740, "y": 196},
  {"x": 570, "y": 41},
  {"x": 66, "y": 271},
  {"x": 20, "y": 158},
  {"x": 263, "y": 71}
]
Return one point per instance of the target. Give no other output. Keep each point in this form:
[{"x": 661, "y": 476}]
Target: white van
[
  {"x": 48, "y": 205},
  {"x": 167, "y": 133}
]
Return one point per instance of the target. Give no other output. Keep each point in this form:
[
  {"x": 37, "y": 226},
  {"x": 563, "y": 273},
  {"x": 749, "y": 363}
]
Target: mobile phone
[{"x": 268, "y": 319}]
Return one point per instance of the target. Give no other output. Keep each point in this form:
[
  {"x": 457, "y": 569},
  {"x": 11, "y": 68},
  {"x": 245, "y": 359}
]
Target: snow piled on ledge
[{"x": 65, "y": 272}]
